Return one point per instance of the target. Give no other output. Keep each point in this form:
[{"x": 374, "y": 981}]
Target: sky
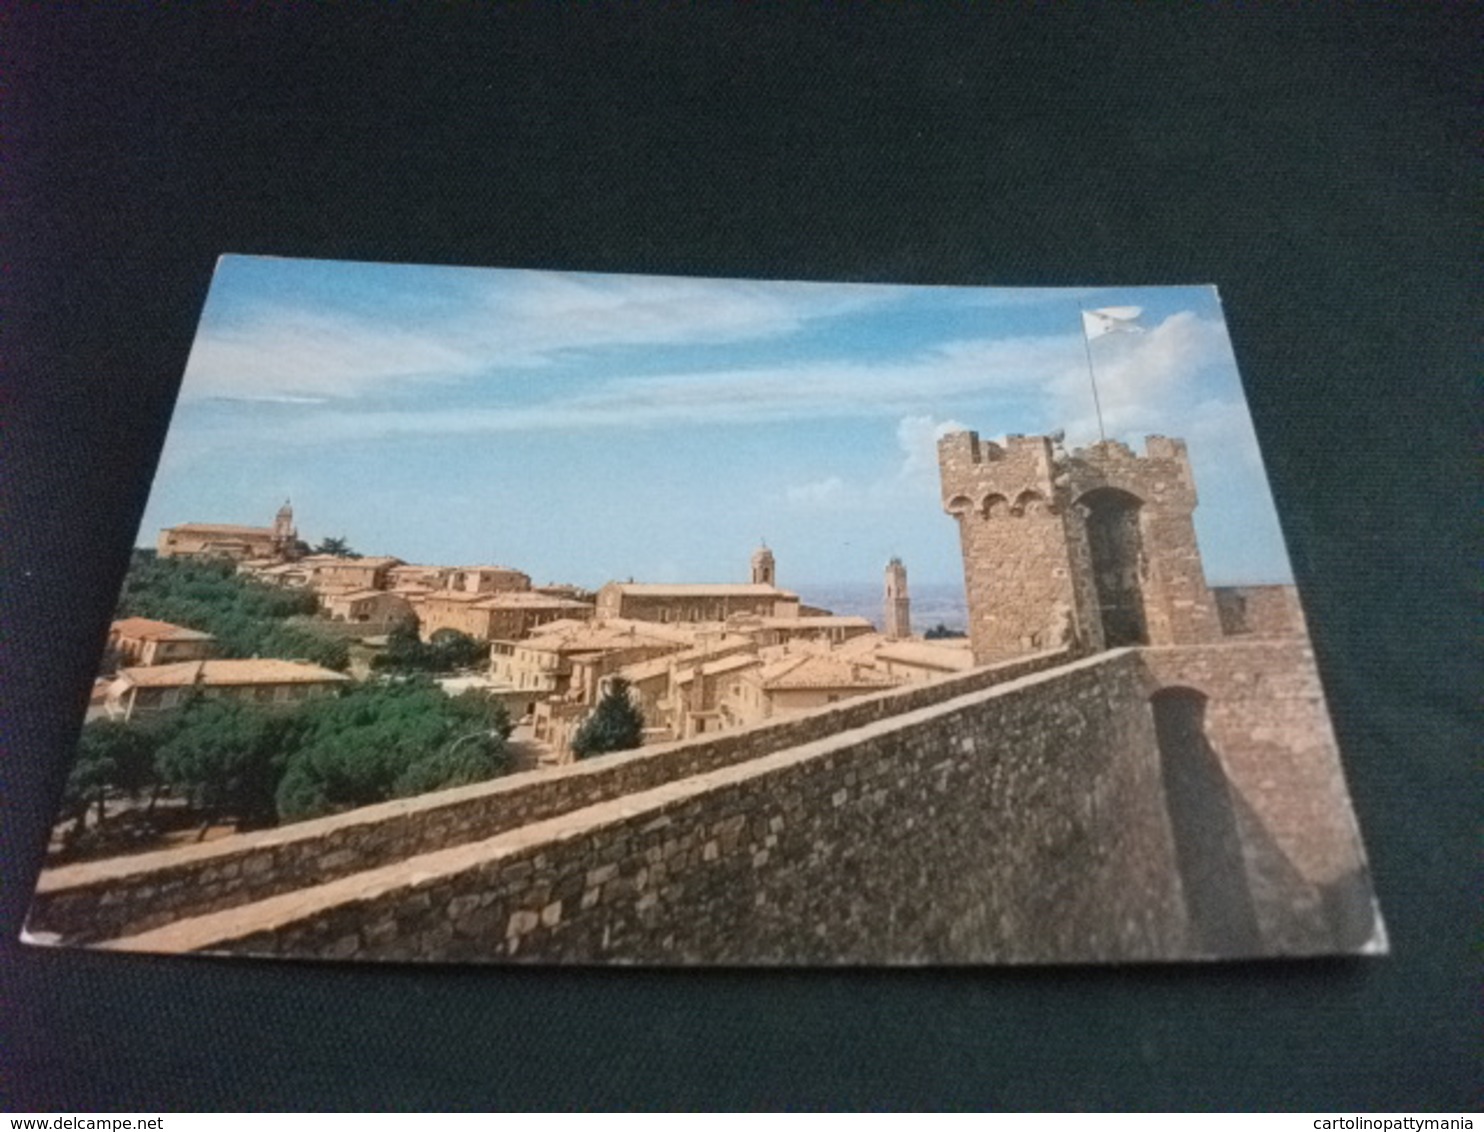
[{"x": 585, "y": 428}]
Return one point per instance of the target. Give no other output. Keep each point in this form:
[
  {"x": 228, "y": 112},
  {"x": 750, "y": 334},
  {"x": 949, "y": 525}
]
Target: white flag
[{"x": 1111, "y": 320}]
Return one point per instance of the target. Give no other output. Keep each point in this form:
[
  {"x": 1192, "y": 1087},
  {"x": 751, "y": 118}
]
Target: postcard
[{"x": 518, "y": 616}]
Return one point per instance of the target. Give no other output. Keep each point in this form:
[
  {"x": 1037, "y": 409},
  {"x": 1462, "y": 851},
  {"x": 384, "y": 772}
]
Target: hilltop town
[
  {"x": 689, "y": 659},
  {"x": 696, "y": 657},
  {"x": 1119, "y": 762}
]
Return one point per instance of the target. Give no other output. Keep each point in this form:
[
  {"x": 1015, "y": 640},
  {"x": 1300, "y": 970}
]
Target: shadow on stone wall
[
  {"x": 1203, "y": 819},
  {"x": 1243, "y": 894}
]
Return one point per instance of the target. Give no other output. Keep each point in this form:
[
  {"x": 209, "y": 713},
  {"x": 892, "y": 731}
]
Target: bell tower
[
  {"x": 764, "y": 570},
  {"x": 285, "y": 537},
  {"x": 898, "y": 607}
]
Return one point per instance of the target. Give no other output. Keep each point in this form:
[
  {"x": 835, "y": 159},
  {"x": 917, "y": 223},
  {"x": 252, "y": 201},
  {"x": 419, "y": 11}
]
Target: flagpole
[{"x": 1091, "y": 373}]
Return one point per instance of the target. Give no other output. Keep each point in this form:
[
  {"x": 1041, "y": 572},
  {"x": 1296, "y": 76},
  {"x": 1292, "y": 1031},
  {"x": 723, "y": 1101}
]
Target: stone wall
[
  {"x": 1260, "y": 611},
  {"x": 102, "y": 899},
  {"x": 1025, "y": 556},
  {"x": 1097, "y": 548},
  {"x": 1267, "y": 729},
  {"x": 1023, "y": 823},
  {"x": 1162, "y": 803},
  {"x": 1177, "y": 604}
]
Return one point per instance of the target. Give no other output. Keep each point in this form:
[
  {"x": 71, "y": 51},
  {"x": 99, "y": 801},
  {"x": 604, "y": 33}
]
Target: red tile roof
[
  {"x": 219, "y": 673},
  {"x": 146, "y": 630}
]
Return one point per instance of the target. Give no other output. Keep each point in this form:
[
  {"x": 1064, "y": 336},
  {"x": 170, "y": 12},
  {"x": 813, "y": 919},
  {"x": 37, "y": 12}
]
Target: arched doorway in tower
[{"x": 1117, "y": 551}]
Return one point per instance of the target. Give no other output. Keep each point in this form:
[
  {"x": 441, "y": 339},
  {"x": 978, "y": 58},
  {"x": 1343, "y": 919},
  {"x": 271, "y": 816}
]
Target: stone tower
[
  {"x": 1093, "y": 550},
  {"x": 898, "y": 612},
  {"x": 285, "y": 537},
  {"x": 764, "y": 572}
]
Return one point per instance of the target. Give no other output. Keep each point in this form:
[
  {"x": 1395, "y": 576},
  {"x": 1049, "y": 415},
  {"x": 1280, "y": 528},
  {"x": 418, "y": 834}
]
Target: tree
[
  {"x": 336, "y": 547},
  {"x": 453, "y": 650},
  {"x": 448, "y": 651},
  {"x": 389, "y": 740},
  {"x": 941, "y": 632},
  {"x": 241, "y": 613},
  {"x": 615, "y": 725},
  {"x": 302, "y": 642},
  {"x": 112, "y": 757},
  {"x": 228, "y": 758}
]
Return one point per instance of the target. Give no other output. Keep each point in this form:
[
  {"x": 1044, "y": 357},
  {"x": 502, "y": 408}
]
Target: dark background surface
[{"x": 1315, "y": 163}]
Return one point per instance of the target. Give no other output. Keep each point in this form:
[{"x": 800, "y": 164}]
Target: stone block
[{"x": 521, "y": 921}]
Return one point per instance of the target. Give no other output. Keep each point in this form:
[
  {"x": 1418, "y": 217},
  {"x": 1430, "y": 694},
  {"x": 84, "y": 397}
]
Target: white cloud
[
  {"x": 781, "y": 393},
  {"x": 522, "y": 320},
  {"x": 914, "y": 480},
  {"x": 820, "y": 493},
  {"x": 1144, "y": 381},
  {"x": 918, "y": 437}
]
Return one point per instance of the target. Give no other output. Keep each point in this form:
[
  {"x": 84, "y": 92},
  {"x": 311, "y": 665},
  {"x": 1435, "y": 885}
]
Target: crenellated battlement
[
  {"x": 1088, "y": 550},
  {"x": 988, "y": 478},
  {"x": 1161, "y": 476}
]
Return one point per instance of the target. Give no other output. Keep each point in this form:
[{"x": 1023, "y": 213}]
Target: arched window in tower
[{"x": 1115, "y": 545}]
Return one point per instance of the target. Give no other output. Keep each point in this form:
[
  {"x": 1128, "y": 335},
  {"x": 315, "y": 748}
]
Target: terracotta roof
[
  {"x": 227, "y": 672},
  {"x": 358, "y": 595},
  {"x": 145, "y": 629},
  {"x": 555, "y": 629},
  {"x": 815, "y": 671},
  {"x": 374, "y": 561},
  {"x": 948, "y": 658},
  {"x": 702, "y": 589},
  {"x": 459, "y": 597},
  {"x": 224, "y": 529},
  {"x": 724, "y": 664},
  {"x": 645, "y": 669},
  {"x": 822, "y": 621},
  {"x": 580, "y": 638},
  {"x": 528, "y": 599}
]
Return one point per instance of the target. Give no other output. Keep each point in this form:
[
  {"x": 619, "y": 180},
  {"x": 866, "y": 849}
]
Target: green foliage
[
  {"x": 301, "y": 642},
  {"x": 941, "y": 632},
  {"x": 228, "y": 757},
  {"x": 337, "y": 547},
  {"x": 390, "y": 740},
  {"x": 111, "y": 757},
  {"x": 615, "y": 725},
  {"x": 453, "y": 650},
  {"x": 448, "y": 651},
  {"x": 246, "y": 616}
]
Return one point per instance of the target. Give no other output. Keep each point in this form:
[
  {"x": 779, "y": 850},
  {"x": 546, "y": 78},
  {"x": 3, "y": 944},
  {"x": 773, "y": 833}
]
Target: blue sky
[{"x": 590, "y": 427}]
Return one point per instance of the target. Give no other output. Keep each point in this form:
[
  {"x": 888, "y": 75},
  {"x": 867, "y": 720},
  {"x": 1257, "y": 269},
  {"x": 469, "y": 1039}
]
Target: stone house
[
  {"x": 821, "y": 628},
  {"x": 548, "y": 660},
  {"x": 277, "y": 543},
  {"x": 374, "y": 608},
  {"x": 143, "y": 642},
  {"x": 641, "y": 601},
  {"x": 806, "y": 681},
  {"x": 216, "y": 540},
  {"x": 500, "y": 616},
  {"x": 418, "y": 577},
  {"x": 486, "y": 579},
  {"x": 915, "y": 661},
  {"x": 332, "y": 574},
  {"x": 143, "y": 690}
]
